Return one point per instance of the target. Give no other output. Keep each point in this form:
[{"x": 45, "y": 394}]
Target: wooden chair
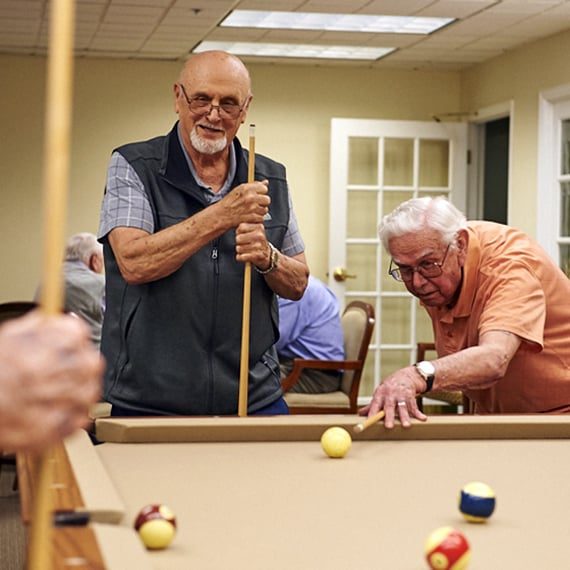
[
  {"x": 357, "y": 323},
  {"x": 454, "y": 398},
  {"x": 12, "y": 310}
]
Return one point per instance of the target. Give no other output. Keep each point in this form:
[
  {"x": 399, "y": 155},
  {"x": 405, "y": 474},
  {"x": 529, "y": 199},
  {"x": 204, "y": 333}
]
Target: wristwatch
[
  {"x": 273, "y": 260},
  {"x": 427, "y": 372}
]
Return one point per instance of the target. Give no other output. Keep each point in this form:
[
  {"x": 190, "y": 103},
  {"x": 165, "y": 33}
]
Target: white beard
[{"x": 205, "y": 146}]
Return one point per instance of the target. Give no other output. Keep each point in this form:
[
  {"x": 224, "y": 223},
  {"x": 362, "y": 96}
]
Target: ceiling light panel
[
  {"x": 296, "y": 50},
  {"x": 334, "y": 22}
]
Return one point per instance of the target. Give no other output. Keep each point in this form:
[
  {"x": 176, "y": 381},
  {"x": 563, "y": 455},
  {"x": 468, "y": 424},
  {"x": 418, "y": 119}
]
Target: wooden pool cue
[
  {"x": 359, "y": 428},
  {"x": 55, "y": 188},
  {"x": 244, "y": 359}
]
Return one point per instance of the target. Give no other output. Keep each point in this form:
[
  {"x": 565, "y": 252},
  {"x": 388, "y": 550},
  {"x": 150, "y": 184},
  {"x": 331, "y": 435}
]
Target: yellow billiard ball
[
  {"x": 336, "y": 442},
  {"x": 156, "y": 525}
]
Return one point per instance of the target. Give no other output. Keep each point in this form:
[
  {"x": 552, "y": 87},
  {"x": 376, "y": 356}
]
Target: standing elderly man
[
  {"x": 178, "y": 223},
  {"x": 499, "y": 309}
]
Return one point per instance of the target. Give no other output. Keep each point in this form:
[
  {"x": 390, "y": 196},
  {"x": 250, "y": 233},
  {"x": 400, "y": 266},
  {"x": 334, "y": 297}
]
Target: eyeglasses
[
  {"x": 201, "y": 105},
  {"x": 428, "y": 269}
]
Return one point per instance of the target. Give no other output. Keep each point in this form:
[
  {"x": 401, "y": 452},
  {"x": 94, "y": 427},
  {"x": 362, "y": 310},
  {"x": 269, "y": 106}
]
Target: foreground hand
[
  {"x": 397, "y": 397},
  {"x": 50, "y": 374}
]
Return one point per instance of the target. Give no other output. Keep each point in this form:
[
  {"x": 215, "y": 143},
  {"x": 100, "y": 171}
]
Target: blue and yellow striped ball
[{"x": 476, "y": 502}]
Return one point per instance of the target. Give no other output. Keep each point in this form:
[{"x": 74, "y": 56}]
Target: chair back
[
  {"x": 14, "y": 309},
  {"x": 357, "y": 324}
]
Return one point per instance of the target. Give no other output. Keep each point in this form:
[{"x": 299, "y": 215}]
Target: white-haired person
[
  {"x": 499, "y": 307},
  {"x": 84, "y": 282}
]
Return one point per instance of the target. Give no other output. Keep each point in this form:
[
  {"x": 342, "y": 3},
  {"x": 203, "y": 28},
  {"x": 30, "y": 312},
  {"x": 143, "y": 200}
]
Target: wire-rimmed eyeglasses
[
  {"x": 201, "y": 105},
  {"x": 428, "y": 269}
]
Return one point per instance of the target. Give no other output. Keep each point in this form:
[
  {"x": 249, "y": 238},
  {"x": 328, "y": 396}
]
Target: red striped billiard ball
[{"x": 156, "y": 525}]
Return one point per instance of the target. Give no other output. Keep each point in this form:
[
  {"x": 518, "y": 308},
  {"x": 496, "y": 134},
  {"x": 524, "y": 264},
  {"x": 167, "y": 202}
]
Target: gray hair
[
  {"x": 80, "y": 247},
  {"x": 421, "y": 213}
]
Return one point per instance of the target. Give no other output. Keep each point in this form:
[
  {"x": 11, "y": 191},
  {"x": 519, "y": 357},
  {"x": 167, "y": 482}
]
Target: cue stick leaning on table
[
  {"x": 56, "y": 182},
  {"x": 244, "y": 358}
]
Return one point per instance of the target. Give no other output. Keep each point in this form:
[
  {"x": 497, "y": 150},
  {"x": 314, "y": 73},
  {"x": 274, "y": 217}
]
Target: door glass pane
[
  {"x": 565, "y": 209},
  {"x": 398, "y": 162},
  {"x": 361, "y": 216},
  {"x": 434, "y": 163},
  {"x": 392, "y": 199},
  {"x": 362, "y": 160},
  {"x": 361, "y": 262},
  {"x": 565, "y": 258},
  {"x": 565, "y": 147},
  {"x": 393, "y": 360},
  {"x": 395, "y": 321}
]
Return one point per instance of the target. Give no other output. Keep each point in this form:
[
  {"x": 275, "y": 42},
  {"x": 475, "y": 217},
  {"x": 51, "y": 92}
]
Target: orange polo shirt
[{"x": 511, "y": 284}]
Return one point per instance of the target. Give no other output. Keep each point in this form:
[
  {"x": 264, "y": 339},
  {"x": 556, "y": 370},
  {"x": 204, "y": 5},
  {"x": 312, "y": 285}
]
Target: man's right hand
[{"x": 247, "y": 203}]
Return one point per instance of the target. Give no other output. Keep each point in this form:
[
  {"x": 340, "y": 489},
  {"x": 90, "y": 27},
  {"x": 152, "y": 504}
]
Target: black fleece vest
[{"x": 172, "y": 346}]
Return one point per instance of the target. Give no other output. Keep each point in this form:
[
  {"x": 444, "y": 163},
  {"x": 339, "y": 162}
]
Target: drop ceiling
[{"x": 170, "y": 29}]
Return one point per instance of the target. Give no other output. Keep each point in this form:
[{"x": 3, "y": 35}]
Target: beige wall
[
  {"x": 520, "y": 76},
  {"x": 118, "y": 101}
]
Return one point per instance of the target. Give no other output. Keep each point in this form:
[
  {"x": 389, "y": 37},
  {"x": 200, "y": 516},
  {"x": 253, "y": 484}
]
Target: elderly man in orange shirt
[{"x": 500, "y": 310}]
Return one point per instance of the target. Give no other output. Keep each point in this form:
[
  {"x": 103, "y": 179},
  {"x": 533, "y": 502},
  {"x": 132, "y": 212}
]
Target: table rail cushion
[{"x": 310, "y": 428}]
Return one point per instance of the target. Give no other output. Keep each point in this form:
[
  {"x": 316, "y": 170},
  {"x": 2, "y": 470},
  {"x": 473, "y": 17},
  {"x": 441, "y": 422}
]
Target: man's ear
[{"x": 462, "y": 242}]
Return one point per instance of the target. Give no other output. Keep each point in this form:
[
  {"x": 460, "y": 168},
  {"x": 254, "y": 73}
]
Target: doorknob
[{"x": 341, "y": 274}]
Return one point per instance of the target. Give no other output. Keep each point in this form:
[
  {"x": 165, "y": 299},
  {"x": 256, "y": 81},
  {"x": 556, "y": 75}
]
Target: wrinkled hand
[
  {"x": 50, "y": 374},
  {"x": 252, "y": 246},
  {"x": 247, "y": 203},
  {"x": 397, "y": 397}
]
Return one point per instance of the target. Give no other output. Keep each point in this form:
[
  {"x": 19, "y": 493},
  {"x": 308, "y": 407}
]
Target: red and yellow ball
[
  {"x": 156, "y": 525},
  {"x": 447, "y": 549}
]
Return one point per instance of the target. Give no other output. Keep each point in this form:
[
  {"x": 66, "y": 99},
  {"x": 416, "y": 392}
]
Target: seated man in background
[
  {"x": 499, "y": 308},
  {"x": 50, "y": 374},
  {"x": 85, "y": 282},
  {"x": 311, "y": 329}
]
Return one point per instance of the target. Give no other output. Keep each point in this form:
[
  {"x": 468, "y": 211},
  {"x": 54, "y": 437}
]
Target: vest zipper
[
  {"x": 214, "y": 256},
  {"x": 215, "y": 259}
]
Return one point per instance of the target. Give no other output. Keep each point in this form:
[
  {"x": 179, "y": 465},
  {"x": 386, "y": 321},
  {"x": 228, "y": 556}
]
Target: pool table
[{"x": 259, "y": 493}]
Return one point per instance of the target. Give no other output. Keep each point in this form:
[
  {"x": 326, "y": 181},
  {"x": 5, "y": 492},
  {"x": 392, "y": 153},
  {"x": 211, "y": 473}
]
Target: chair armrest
[{"x": 299, "y": 364}]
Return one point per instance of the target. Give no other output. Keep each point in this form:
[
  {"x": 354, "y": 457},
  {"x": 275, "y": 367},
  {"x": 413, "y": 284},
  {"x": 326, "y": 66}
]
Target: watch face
[{"x": 426, "y": 368}]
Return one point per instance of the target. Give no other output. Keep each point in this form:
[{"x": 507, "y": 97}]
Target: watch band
[{"x": 273, "y": 260}]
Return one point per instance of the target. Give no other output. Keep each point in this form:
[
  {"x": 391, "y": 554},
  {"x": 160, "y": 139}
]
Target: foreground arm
[
  {"x": 474, "y": 368},
  {"x": 50, "y": 375}
]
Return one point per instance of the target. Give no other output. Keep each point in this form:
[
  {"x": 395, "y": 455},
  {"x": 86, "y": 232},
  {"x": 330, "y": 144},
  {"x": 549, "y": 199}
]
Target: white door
[{"x": 376, "y": 165}]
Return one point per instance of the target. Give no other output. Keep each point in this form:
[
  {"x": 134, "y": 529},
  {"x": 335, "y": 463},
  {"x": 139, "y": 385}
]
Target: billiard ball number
[
  {"x": 447, "y": 549},
  {"x": 476, "y": 502},
  {"x": 156, "y": 525},
  {"x": 336, "y": 442}
]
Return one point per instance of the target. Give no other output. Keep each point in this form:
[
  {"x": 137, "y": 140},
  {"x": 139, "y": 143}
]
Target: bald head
[{"x": 215, "y": 64}]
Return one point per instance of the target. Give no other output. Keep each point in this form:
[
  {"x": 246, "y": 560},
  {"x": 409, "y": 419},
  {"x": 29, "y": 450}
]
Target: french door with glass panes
[{"x": 376, "y": 165}]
